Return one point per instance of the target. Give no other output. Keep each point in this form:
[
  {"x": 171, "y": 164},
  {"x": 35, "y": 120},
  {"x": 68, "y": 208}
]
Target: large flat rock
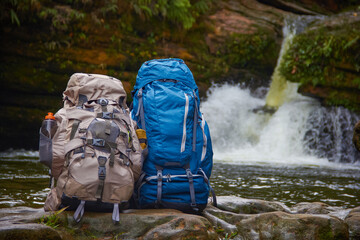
[{"x": 235, "y": 217}]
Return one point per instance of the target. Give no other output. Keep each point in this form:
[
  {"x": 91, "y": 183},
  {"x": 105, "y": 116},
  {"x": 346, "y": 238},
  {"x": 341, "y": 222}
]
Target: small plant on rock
[{"x": 52, "y": 220}]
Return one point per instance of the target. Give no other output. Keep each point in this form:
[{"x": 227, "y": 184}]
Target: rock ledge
[{"x": 235, "y": 218}]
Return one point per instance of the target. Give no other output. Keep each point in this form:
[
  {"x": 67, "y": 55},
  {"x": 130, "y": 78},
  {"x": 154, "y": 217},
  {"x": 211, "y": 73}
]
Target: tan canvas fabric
[
  {"x": 52, "y": 202},
  {"x": 76, "y": 161},
  {"x": 93, "y": 86},
  {"x": 58, "y": 142}
]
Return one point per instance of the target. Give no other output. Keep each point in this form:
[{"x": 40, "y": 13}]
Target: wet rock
[
  {"x": 27, "y": 231},
  {"x": 279, "y": 225},
  {"x": 356, "y": 136},
  {"x": 353, "y": 221},
  {"x": 147, "y": 224},
  {"x": 22, "y": 223},
  {"x": 320, "y": 208},
  {"x": 20, "y": 215},
  {"x": 257, "y": 219},
  {"x": 249, "y": 206},
  {"x": 235, "y": 217}
]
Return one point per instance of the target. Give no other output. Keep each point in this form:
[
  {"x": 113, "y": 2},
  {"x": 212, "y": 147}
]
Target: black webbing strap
[
  {"x": 159, "y": 188},
  {"x": 136, "y": 193},
  {"x": 140, "y": 180},
  {"x": 192, "y": 189},
  {"x": 213, "y": 196},
  {"x": 102, "y": 175},
  {"x": 74, "y": 128}
]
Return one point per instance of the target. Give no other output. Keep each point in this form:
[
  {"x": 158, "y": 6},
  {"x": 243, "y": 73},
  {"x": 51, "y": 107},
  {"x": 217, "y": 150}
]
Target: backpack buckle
[
  {"x": 102, "y": 101},
  {"x": 102, "y": 172},
  {"x": 102, "y": 169},
  {"x": 107, "y": 115},
  {"x": 98, "y": 142},
  {"x": 159, "y": 175}
]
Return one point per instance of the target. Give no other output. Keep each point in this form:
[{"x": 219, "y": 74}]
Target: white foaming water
[
  {"x": 14, "y": 153},
  {"x": 242, "y": 135}
]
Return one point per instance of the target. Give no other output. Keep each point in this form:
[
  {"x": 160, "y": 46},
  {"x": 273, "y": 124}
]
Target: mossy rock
[{"x": 324, "y": 59}]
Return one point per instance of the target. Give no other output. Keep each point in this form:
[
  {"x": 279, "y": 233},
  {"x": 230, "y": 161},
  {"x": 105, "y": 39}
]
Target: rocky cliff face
[{"x": 43, "y": 43}]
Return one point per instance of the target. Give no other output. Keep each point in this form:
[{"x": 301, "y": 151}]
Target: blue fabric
[
  {"x": 176, "y": 190},
  {"x": 164, "y": 104},
  {"x": 170, "y": 68}
]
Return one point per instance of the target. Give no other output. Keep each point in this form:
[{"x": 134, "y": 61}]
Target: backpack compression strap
[
  {"x": 116, "y": 214},
  {"x": 196, "y": 116},
  {"x": 102, "y": 175},
  {"x": 140, "y": 111},
  {"x": 192, "y": 190},
  {"x": 79, "y": 211},
  {"x": 159, "y": 187},
  {"x": 211, "y": 189}
]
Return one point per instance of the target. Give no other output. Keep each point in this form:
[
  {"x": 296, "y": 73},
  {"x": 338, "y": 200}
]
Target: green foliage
[
  {"x": 61, "y": 17},
  {"x": 329, "y": 58},
  {"x": 52, "y": 220},
  {"x": 64, "y": 17},
  {"x": 225, "y": 236},
  {"x": 109, "y": 8},
  {"x": 230, "y": 236},
  {"x": 183, "y": 12},
  {"x": 15, "y": 10},
  {"x": 318, "y": 54},
  {"x": 14, "y": 17},
  {"x": 249, "y": 50}
]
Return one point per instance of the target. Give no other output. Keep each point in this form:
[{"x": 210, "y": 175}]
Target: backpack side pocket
[{"x": 45, "y": 150}]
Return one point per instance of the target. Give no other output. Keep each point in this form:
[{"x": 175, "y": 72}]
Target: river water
[{"x": 24, "y": 181}]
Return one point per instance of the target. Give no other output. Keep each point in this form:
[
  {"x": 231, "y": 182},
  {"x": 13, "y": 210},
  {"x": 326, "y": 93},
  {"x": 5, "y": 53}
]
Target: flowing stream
[{"x": 280, "y": 147}]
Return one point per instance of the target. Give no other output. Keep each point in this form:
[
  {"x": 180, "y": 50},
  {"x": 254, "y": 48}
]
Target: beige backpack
[{"x": 96, "y": 155}]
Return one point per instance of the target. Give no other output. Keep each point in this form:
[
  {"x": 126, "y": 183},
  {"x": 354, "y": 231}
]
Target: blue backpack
[{"x": 178, "y": 164}]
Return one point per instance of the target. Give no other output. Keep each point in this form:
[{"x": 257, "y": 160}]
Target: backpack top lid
[
  {"x": 168, "y": 68},
  {"x": 93, "y": 86}
]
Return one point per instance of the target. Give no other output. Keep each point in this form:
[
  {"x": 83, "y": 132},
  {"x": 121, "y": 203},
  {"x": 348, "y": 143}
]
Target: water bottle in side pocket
[{"x": 47, "y": 131}]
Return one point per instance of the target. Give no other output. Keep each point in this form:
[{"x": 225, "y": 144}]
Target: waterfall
[
  {"x": 300, "y": 131},
  {"x": 280, "y": 87}
]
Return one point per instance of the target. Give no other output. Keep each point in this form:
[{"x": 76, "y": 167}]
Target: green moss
[
  {"x": 326, "y": 57},
  {"x": 326, "y": 233},
  {"x": 251, "y": 51}
]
